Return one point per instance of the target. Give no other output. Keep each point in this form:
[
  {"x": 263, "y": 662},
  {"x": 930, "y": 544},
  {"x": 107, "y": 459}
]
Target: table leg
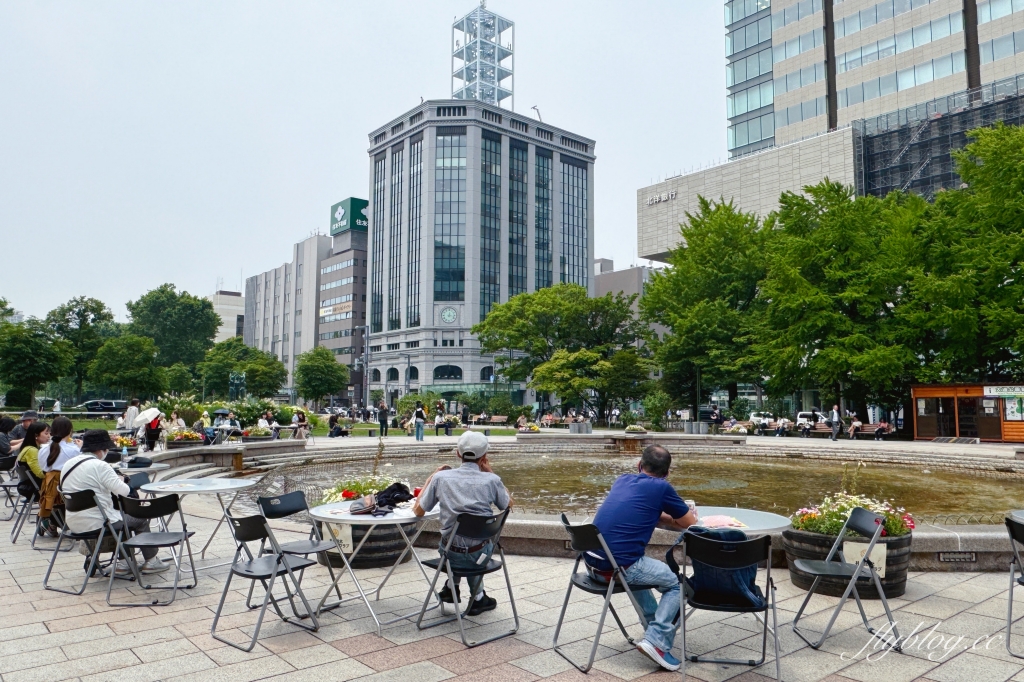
[
  {"x": 352, "y": 574},
  {"x": 409, "y": 547},
  {"x": 225, "y": 510}
]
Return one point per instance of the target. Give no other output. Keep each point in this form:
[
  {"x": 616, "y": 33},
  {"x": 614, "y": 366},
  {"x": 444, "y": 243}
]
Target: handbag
[{"x": 364, "y": 505}]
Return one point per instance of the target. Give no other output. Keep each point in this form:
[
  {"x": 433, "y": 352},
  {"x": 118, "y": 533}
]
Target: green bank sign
[{"x": 349, "y": 214}]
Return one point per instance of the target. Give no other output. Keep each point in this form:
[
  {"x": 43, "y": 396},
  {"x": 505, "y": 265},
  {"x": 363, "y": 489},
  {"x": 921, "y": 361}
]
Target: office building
[
  {"x": 469, "y": 205},
  {"x": 230, "y": 306},
  {"x": 341, "y": 305},
  {"x": 483, "y": 57},
  {"x": 871, "y": 93},
  {"x": 274, "y": 304}
]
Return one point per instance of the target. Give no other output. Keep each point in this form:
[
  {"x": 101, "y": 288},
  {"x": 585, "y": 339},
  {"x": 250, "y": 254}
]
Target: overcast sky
[{"x": 148, "y": 142}]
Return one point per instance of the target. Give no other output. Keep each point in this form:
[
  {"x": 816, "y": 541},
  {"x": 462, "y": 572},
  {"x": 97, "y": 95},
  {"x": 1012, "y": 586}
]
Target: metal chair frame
[
  {"x": 475, "y": 528},
  {"x": 868, "y": 525},
  {"x": 727, "y": 555},
  {"x": 28, "y": 504},
  {"x": 163, "y": 509},
  {"x": 75, "y": 502},
  {"x": 585, "y": 539},
  {"x": 7, "y": 465},
  {"x": 270, "y": 566},
  {"x": 1015, "y": 529}
]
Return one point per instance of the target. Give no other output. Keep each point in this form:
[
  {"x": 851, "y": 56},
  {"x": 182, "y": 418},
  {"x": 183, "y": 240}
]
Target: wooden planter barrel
[
  {"x": 255, "y": 439},
  {"x": 800, "y": 544},
  {"x": 381, "y": 550},
  {"x": 178, "y": 444}
]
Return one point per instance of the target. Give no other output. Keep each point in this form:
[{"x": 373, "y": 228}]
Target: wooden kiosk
[{"x": 993, "y": 413}]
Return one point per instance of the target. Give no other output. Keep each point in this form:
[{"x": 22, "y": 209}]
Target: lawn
[{"x": 357, "y": 429}]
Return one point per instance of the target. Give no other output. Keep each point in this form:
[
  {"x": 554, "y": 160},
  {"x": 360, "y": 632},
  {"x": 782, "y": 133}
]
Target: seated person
[
  {"x": 470, "y": 489},
  {"x": 483, "y": 417},
  {"x": 88, "y": 471},
  {"x": 333, "y": 429},
  {"x": 438, "y": 423},
  {"x": 883, "y": 428},
  {"x": 855, "y": 425},
  {"x": 635, "y": 505},
  {"x": 301, "y": 425},
  {"x": 36, "y": 439},
  {"x": 521, "y": 422},
  {"x": 808, "y": 425},
  {"x": 732, "y": 422},
  {"x": 782, "y": 427},
  {"x": 229, "y": 425}
]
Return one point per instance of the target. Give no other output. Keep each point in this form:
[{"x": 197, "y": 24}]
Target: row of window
[
  {"x": 883, "y": 11},
  {"x": 337, "y": 316},
  {"x": 340, "y": 299},
  {"x": 735, "y": 10},
  {"x": 412, "y": 303},
  {"x": 575, "y": 259},
  {"x": 339, "y": 283},
  {"x": 902, "y": 79},
  {"x": 395, "y": 264},
  {"x": 997, "y": 9},
  {"x": 798, "y": 79},
  {"x": 490, "y": 222},
  {"x": 377, "y": 257},
  {"x": 748, "y": 36},
  {"x": 798, "y": 45},
  {"x": 349, "y": 350},
  {"x": 1003, "y": 46},
  {"x": 749, "y": 67},
  {"x": 794, "y": 13},
  {"x": 341, "y": 333},
  {"x": 518, "y": 185},
  {"x": 801, "y": 112},
  {"x": 754, "y": 130},
  {"x": 450, "y": 215},
  {"x": 441, "y": 372},
  {"x": 340, "y": 266},
  {"x": 747, "y": 100},
  {"x": 901, "y": 42}
]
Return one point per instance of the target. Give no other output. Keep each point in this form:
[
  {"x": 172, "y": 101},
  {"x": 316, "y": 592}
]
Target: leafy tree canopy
[
  {"x": 318, "y": 374},
  {"x": 264, "y": 373},
  {"x": 182, "y": 325},
  {"x": 179, "y": 379},
  {"x": 76, "y": 322},
  {"x": 30, "y": 356},
  {"x": 129, "y": 363}
]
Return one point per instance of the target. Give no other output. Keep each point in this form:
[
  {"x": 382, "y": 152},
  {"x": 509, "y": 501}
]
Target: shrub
[{"x": 655, "y": 405}]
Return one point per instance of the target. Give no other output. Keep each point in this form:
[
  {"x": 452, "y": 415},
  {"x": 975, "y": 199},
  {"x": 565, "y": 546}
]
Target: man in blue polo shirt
[{"x": 636, "y": 504}]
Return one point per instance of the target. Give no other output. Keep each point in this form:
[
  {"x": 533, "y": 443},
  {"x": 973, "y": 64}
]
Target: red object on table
[
  {"x": 347, "y": 494},
  {"x": 416, "y": 492}
]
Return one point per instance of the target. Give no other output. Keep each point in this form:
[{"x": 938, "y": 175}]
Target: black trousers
[{"x": 383, "y": 428}]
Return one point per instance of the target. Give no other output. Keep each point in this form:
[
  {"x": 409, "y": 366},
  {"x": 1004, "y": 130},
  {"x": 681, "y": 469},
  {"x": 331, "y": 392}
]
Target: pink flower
[{"x": 909, "y": 520}]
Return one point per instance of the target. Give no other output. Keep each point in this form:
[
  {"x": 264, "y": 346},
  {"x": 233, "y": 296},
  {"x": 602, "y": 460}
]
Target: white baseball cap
[{"x": 472, "y": 445}]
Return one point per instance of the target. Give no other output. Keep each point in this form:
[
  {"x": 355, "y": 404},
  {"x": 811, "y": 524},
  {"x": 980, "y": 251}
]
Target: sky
[{"x": 195, "y": 141}]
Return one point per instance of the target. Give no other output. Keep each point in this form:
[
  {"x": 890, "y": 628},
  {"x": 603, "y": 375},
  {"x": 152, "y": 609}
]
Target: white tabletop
[
  {"x": 753, "y": 520},
  {"x": 155, "y": 466},
  {"x": 199, "y": 486},
  {"x": 337, "y": 512}
]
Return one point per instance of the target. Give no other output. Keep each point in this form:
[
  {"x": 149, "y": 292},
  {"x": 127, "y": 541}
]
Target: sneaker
[
  {"x": 122, "y": 568},
  {"x": 154, "y": 565},
  {"x": 446, "y": 594},
  {"x": 478, "y": 606},
  {"x": 663, "y": 658}
]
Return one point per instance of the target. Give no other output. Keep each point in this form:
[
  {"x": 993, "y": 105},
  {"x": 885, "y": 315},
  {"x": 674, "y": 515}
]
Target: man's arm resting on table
[{"x": 682, "y": 523}]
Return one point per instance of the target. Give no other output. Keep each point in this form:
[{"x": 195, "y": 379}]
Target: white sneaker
[
  {"x": 121, "y": 568},
  {"x": 155, "y": 565}
]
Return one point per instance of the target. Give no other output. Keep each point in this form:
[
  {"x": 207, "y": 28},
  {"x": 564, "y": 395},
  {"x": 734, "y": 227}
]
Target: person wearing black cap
[
  {"x": 470, "y": 489},
  {"x": 19, "y": 431},
  {"x": 88, "y": 471}
]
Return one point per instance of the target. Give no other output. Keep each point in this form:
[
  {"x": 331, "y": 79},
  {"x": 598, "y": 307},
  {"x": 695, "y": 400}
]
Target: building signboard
[
  {"x": 335, "y": 309},
  {"x": 1005, "y": 391},
  {"x": 349, "y": 214}
]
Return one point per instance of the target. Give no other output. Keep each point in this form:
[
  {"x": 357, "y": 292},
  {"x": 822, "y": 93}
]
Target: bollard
[
  {"x": 373, "y": 433},
  {"x": 487, "y": 432}
]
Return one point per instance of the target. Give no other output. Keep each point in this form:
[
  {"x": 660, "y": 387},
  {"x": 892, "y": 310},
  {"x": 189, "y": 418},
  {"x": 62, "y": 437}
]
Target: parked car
[
  {"x": 805, "y": 417},
  {"x": 760, "y": 421},
  {"x": 103, "y": 406}
]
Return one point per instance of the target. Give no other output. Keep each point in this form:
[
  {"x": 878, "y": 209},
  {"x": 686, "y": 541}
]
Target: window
[
  {"x": 998, "y": 48},
  {"x": 748, "y": 36},
  {"x": 450, "y": 214},
  {"x": 798, "y": 45},
  {"x": 799, "y": 112},
  {"x": 412, "y": 295},
  {"x": 492, "y": 116},
  {"x": 752, "y": 98},
  {"x": 397, "y": 128},
  {"x": 521, "y": 126},
  {"x": 796, "y": 12},
  {"x": 335, "y": 301},
  {"x": 486, "y": 372},
  {"x": 578, "y": 145},
  {"x": 996, "y": 9},
  {"x": 393, "y": 374},
  {"x": 448, "y": 372},
  {"x": 574, "y": 260},
  {"x": 446, "y": 112},
  {"x": 377, "y": 276},
  {"x": 394, "y": 346},
  {"x": 375, "y": 349},
  {"x": 901, "y": 42},
  {"x": 375, "y": 375},
  {"x": 395, "y": 259},
  {"x": 490, "y": 221},
  {"x": 337, "y": 266},
  {"x": 341, "y": 333},
  {"x": 380, "y": 137},
  {"x": 544, "y": 134},
  {"x": 448, "y": 342},
  {"x": 904, "y": 79},
  {"x": 883, "y": 11},
  {"x": 416, "y": 118},
  {"x": 754, "y": 130},
  {"x": 749, "y": 67},
  {"x": 542, "y": 219},
  {"x": 518, "y": 163},
  {"x": 414, "y": 374},
  {"x": 349, "y": 350},
  {"x": 798, "y": 79},
  {"x": 412, "y": 344},
  {"x": 741, "y": 9}
]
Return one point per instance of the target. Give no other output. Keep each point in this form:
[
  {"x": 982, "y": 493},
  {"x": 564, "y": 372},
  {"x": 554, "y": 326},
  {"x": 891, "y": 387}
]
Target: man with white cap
[{"x": 470, "y": 489}]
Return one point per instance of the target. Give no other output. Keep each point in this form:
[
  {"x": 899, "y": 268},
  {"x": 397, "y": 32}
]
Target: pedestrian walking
[
  {"x": 836, "y": 422},
  {"x": 420, "y": 418},
  {"x": 382, "y": 417}
]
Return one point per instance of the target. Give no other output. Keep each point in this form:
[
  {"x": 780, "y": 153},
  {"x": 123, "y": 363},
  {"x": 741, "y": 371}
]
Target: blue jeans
[
  {"x": 661, "y": 628},
  {"x": 472, "y": 560},
  {"x": 419, "y": 430}
]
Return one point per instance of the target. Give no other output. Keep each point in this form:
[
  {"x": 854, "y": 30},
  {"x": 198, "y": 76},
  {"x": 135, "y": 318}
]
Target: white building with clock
[{"x": 470, "y": 204}]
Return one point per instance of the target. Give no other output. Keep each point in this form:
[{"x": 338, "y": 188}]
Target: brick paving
[{"x": 48, "y": 636}]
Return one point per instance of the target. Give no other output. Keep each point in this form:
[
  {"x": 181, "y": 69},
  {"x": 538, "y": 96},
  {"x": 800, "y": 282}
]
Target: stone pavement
[{"x": 48, "y": 636}]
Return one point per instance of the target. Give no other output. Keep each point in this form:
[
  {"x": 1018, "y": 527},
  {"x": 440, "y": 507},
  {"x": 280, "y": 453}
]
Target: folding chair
[
  {"x": 482, "y": 529},
  {"x": 28, "y": 504},
  {"x": 1016, "y": 531},
  {"x": 722, "y": 555},
  {"x": 11, "y": 484},
  {"x": 78, "y": 502},
  {"x": 868, "y": 525},
  {"x": 154, "y": 508},
  {"x": 289, "y": 505},
  {"x": 268, "y": 567},
  {"x": 587, "y": 539}
]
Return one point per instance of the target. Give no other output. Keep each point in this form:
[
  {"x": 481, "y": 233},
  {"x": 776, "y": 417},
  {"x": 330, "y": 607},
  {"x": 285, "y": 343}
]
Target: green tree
[
  {"x": 182, "y": 325},
  {"x": 129, "y": 363},
  {"x": 570, "y": 374},
  {"x": 76, "y": 322},
  {"x": 708, "y": 299},
  {"x": 536, "y": 325},
  {"x": 5, "y": 309},
  {"x": 625, "y": 378},
  {"x": 30, "y": 356},
  {"x": 179, "y": 379},
  {"x": 656, "y": 403},
  {"x": 264, "y": 373},
  {"x": 318, "y": 374}
]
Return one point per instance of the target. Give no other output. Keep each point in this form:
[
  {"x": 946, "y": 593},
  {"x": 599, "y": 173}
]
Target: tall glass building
[{"x": 469, "y": 206}]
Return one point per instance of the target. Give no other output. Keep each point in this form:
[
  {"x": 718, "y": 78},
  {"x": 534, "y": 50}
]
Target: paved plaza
[{"x": 47, "y": 636}]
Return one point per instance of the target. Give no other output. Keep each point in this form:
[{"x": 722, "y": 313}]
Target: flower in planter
[
  {"x": 831, "y": 513},
  {"x": 356, "y": 487},
  {"x": 186, "y": 436},
  {"x": 635, "y": 428},
  {"x": 126, "y": 442},
  {"x": 256, "y": 431},
  {"x": 347, "y": 494}
]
